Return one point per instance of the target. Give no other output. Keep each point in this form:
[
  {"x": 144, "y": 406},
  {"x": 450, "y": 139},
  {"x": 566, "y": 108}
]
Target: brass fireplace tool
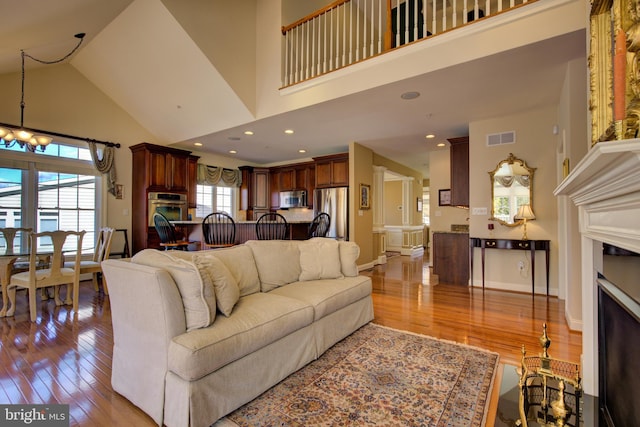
[{"x": 550, "y": 389}]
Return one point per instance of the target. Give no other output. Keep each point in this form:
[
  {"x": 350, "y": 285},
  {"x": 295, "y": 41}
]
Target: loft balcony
[{"x": 347, "y": 32}]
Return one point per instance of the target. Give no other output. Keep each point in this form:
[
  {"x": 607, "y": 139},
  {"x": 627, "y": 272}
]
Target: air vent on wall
[{"x": 501, "y": 138}]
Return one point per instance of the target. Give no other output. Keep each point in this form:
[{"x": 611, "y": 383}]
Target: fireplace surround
[{"x": 605, "y": 186}]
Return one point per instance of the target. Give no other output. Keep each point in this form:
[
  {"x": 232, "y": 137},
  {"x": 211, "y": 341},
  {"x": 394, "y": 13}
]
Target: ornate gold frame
[{"x": 612, "y": 20}]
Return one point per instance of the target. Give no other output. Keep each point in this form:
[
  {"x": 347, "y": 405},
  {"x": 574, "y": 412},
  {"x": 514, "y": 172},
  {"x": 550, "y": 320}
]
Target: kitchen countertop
[{"x": 195, "y": 222}]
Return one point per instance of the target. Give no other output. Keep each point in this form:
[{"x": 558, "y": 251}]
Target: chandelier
[{"x": 32, "y": 138}]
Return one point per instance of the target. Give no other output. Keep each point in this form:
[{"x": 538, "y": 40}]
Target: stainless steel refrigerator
[{"x": 333, "y": 201}]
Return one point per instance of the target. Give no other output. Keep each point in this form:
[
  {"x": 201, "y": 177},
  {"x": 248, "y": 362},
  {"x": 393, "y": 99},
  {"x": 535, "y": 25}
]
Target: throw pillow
[
  {"x": 196, "y": 290},
  {"x": 319, "y": 259},
  {"x": 349, "y": 253},
  {"x": 239, "y": 260},
  {"x": 226, "y": 287},
  {"x": 277, "y": 262}
]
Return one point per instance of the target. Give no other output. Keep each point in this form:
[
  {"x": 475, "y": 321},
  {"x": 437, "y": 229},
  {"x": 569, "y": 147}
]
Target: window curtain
[
  {"x": 213, "y": 175},
  {"x": 105, "y": 165},
  {"x": 507, "y": 181}
]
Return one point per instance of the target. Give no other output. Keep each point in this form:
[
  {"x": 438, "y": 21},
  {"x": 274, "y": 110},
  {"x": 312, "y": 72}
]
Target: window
[
  {"x": 211, "y": 198},
  {"x": 58, "y": 189}
]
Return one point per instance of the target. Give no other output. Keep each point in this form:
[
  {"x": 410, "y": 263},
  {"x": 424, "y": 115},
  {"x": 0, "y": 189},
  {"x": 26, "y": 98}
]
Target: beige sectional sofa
[{"x": 199, "y": 334}]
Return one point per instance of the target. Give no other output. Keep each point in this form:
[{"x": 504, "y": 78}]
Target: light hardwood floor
[{"x": 59, "y": 359}]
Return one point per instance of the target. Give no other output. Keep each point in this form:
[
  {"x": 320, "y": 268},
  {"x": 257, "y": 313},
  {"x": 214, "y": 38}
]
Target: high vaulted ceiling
[{"x": 198, "y": 105}]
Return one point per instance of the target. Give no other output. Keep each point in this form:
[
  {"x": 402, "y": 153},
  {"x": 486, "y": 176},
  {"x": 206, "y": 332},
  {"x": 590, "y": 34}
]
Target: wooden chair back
[
  {"x": 319, "y": 227},
  {"x": 218, "y": 230},
  {"x": 167, "y": 233},
  {"x": 55, "y": 275},
  {"x": 9, "y": 236},
  {"x": 272, "y": 226}
]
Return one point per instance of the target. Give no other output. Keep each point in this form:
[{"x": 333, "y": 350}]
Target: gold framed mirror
[{"x": 511, "y": 187}]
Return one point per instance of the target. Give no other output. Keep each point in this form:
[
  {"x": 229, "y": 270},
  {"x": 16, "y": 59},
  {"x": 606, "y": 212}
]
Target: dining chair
[
  {"x": 218, "y": 230},
  {"x": 167, "y": 233},
  {"x": 55, "y": 275},
  {"x": 100, "y": 253},
  {"x": 319, "y": 227},
  {"x": 272, "y": 226}
]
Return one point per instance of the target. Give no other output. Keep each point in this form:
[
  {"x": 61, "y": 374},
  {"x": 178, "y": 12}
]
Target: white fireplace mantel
[{"x": 605, "y": 186}]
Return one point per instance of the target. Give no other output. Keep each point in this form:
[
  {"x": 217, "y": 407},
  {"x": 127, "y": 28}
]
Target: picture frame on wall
[
  {"x": 365, "y": 199},
  {"x": 444, "y": 197}
]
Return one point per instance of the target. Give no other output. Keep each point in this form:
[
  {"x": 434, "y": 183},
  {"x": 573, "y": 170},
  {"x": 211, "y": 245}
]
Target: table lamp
[{"x": 525, "y": 213}]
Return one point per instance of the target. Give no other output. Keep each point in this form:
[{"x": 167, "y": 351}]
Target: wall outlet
[{"x": 520, "y": 265}]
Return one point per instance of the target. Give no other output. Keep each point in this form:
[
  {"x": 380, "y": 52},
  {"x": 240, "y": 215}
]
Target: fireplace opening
[{"x": 619, "y": 338}]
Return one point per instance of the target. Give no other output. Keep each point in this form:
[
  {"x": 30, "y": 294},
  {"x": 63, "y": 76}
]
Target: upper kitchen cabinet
[
  {"x": 254, "y": 191},
  {"x": 459, "y": 171},
  {"x": 159, "y": 168},
  {"x": 297, "y": 176},
  {"x": 332, "y": 171}
]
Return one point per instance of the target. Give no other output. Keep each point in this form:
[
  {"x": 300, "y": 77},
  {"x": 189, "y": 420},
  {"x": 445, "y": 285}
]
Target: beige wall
[
  {"x": 416, "y": 188},
  {"x": 233, "y": 22},
  {"x": 536, "y": 145},
  {"x": 58, "y": 98},
  {"x": 361, "y": 220},
  {"x": 393, "y": 203}
]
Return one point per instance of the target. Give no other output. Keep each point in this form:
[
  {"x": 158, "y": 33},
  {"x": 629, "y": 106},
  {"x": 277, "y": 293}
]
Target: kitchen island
[{"x": 245, "y": 230}]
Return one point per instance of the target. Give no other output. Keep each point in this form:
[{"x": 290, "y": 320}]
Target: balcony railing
[{"x": 348, "y": 31}]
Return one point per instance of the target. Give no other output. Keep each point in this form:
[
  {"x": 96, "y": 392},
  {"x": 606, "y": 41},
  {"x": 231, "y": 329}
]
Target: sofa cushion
[
  {"x": 239, "y": 260},
  {"x": 349, "y": 253},
  {"x": 196, "y": 290},
  {"x": 319, "y": 259},
  {"x": 277, "y": 262},
  {"x": 258, "y": 320},
  {"x": 225, "y": 286},
  {"x": 327, "y": 296}
]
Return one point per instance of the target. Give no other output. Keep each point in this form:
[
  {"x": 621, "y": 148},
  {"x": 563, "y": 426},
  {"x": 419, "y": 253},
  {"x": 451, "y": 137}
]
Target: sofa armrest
[{"x": 146, "y": 312}]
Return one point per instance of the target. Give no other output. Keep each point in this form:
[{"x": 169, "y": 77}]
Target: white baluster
[
  {"x": 358, "y": 35},
  {"x": 415, "y": 20},
  {"x": 344, "y": 34},
  {"x": 433, "y": 24},
  {"x": 454, "y": 17},
  {"x": 324, "y": 59},
  {"x": 406, "y": 23},
  {"x": 444, "y": 15},
  {"x": 380, "y": 25},
  {"x": 464, "y": 12},
  {"x": 351, "y": 32},
  {"x": 372, "y": 35}
]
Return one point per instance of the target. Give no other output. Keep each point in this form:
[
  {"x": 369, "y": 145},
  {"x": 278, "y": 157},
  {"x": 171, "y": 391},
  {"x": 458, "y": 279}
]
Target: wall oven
[{"x": 171, "y": 205}]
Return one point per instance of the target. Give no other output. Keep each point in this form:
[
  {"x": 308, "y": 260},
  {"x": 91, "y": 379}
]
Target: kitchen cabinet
[
  {"x": 459, "y": 156},
  {"x": 297, "y": 176},
  {"x": 192, "y": 178},
  {"x": 451, "y": 257},
  {"x": 159, "y": 169},
  {"x": 332, "y": 171},
  {"x": 254, "y": 191}
]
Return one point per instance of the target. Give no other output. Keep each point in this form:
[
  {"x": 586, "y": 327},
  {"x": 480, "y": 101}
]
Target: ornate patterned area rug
[{"x": 380, "y": 376}]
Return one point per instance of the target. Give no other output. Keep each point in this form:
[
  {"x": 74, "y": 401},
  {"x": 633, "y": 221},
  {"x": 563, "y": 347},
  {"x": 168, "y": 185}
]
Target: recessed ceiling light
[
  {"x": 198, "y": 144},
  {"x": 410, "y": 95},
  {"x": 233, "y": 151},
  {"x": 248, "y": 132},
  {"x": 302, "y": 150},
  {"x": 234, "y": 138},
  {"x": 430, "y": 136},
  {"x": 288, "y": 131},
  {"x": 440, "y": 144}
]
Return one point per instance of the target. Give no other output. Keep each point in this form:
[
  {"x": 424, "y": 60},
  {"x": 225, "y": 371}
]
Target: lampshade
[{"x": 525, "y": 212}]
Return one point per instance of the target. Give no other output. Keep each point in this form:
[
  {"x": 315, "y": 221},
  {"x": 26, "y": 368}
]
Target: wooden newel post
[{"x": 387, "y": 33}]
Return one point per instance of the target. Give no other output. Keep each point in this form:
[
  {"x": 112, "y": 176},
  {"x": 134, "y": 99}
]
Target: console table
[{"x": 511, "y": 244}]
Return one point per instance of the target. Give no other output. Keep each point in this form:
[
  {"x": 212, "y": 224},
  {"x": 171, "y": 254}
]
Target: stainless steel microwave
[{"x": 293, "y": 199}]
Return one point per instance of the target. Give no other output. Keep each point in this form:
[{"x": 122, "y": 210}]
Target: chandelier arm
[{"x": 64, "y": 135}]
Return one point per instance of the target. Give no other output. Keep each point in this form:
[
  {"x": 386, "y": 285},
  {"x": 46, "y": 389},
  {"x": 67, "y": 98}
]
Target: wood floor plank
[{"x": 67, "y": 359}]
